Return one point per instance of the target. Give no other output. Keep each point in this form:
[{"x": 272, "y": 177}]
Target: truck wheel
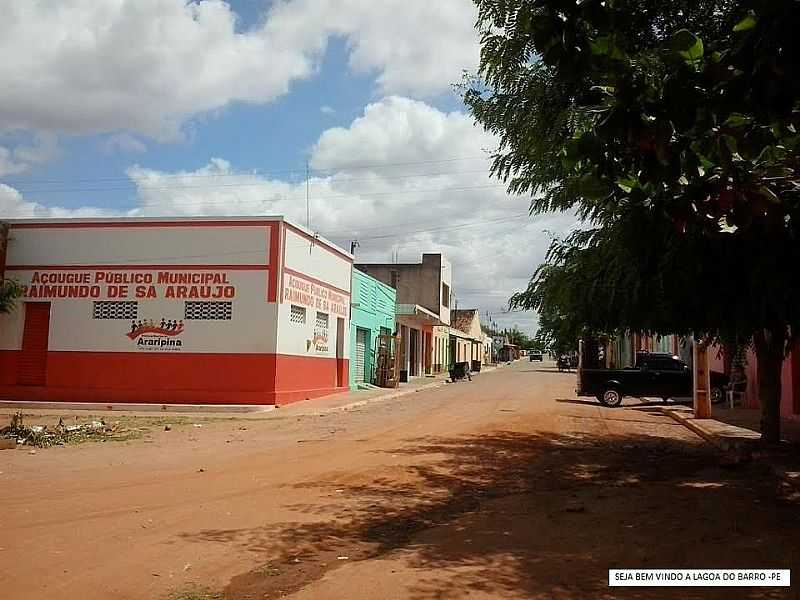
[
  {"x": 717, "y": 395},
  {"x": 611, "y": 398}
]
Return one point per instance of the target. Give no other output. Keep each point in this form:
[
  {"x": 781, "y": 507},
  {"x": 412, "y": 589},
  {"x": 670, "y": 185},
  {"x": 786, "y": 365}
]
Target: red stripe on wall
[
  {"x": 123, "y": 224},
  {"x": 322, "y": 244},
  {"x": 282, "y": 259},
  {"x": 137, "y": 267},
  {"x": 173, "y": 378},
  {"x": 274, "y": 259},
  {"x": 300, "y": 275}
]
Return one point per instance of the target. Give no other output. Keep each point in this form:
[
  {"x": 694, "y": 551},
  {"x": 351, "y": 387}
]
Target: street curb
[
  {"x": 725, "y": 437},
  {"x": 739, "y": 441},
  {"x": 138, "y": 407},
  {"x": 399, "y": 394},
  {"x": 389, "y": 396}
]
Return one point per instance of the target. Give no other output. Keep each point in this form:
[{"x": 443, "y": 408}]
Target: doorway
[
  {"x": 361, "y": 354},
  {"x": 413, "y": 354},
  {"x": 32, "y": 368}
]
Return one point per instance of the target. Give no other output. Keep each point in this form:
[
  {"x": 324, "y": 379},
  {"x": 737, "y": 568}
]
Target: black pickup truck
[{"x": 656, "y": 375}]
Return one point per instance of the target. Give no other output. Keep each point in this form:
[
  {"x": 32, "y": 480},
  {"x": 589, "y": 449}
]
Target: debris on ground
[{"x": 42, "y": 436}]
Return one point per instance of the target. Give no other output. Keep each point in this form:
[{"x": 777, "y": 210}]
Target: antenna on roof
[{"x": 353, "y": 245}]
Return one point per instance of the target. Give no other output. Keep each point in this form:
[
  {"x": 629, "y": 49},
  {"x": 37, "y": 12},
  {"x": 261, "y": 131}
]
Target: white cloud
[
  {"x": 22, "y": 157},
  {"x": 141, "y": 66},
  {"x": 402, "y": 177},
  {"x": 122, "y": 143},
  {"x": 13, "y": 205},
  {"x": 418, "y": 47},
  {"x": 326, "y": 110},
  {"x": 8, "y": 165},
  {"x": 145, "y": 66}
]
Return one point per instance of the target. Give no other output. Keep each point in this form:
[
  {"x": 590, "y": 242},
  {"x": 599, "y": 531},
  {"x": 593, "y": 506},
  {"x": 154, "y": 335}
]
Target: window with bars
[
  {"x": 322, "y": 320},
  {"x": 115, "y": 309},
  {"x": 298, "y": 314},
  {"x": 208, "y": 311}
]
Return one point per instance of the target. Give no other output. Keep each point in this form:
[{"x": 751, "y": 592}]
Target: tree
[
  {"x": 558, "y": 332},
  {"x": 672, "y": 129},
  {"x": 9, "y": 292},
  {"x": 518, "y": 338}
]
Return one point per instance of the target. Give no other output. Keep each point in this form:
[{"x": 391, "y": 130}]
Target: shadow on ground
[{"x": 531, "y": 515}]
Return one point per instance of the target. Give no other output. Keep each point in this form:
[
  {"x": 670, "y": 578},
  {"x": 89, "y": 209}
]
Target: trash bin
[{"x": 458, "y": 371}]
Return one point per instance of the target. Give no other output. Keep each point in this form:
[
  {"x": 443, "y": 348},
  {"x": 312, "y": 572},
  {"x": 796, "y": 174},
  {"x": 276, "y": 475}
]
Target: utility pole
[{"x": 701, "y": 392}]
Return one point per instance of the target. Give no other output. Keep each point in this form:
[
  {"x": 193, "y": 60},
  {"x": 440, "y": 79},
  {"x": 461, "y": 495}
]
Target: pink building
[{"x": 790, "y": 384}]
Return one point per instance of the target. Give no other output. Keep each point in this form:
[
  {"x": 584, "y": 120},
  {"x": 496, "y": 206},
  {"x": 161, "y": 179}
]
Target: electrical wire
[{"x": 299, "y": 170}]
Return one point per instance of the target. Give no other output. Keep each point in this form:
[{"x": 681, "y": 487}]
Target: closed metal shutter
[
  {"x": 361, "y": 354},
  {"x": 32, "y": 369}
]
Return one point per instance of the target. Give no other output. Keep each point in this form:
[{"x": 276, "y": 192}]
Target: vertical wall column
[{"x": 3, "y": 249}]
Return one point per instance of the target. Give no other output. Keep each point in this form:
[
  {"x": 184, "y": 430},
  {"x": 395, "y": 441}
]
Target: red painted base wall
[{"x": 180, "y": 378}]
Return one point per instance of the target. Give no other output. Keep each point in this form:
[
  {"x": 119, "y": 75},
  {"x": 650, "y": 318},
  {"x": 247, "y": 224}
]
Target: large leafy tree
[
  {"x": 558, "y": 332},
  {"x": 671, "y": 127}
]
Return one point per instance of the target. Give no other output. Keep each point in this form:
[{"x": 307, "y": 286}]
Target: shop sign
[
  {"x": 312, "y": 295},
  {"x": 161, "y": 336},
  {"x": 129, "y": 285}
]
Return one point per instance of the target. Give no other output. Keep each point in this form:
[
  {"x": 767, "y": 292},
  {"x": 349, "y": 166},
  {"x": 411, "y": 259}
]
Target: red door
[
  {"x": 33, "y": 358},
  {"x": 341, "y": 365}
]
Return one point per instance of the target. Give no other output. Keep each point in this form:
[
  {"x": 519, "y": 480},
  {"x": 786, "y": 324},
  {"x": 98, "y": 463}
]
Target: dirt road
[{"x": 506, "y": 487}]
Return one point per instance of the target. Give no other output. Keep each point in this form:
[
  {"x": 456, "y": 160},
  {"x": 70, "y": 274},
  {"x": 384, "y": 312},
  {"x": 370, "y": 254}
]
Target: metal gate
[
  {"x": 361, "y": 354},
  {"x": 32, "y": 368}
]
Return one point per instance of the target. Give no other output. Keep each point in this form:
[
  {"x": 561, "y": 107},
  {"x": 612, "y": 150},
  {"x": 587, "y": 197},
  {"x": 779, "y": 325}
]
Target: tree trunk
[{"x": 769, "y": 347}]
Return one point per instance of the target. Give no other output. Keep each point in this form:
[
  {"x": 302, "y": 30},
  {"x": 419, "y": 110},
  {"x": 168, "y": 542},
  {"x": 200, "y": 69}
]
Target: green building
[{"x": 372, "y": 313}]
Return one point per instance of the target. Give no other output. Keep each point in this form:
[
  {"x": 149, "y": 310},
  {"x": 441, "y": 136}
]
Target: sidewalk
[
  {"x": 724, "y": 436},
  {"x": 750, "y": 418},
  {"x": 736, "y": 433},
  {"x": 326, "y": 404}
]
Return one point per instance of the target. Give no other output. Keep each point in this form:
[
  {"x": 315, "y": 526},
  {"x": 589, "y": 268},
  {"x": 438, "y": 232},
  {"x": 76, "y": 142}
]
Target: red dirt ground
[{"x": 505, "y": 487}]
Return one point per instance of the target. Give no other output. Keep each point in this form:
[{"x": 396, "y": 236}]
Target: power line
[
  {"x": 138, "y": 185},
  {"x": 400, "y": 164},
  {"x": 204, "y": 202},
  {"x": 298, "y": 170},
  {"x": 331, "y": 235},
  {"x": 445, "y": 228}
]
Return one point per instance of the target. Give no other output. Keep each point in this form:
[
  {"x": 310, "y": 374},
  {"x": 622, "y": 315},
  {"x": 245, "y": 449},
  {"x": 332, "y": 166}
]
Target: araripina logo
[{"x": 152, "y": 335}]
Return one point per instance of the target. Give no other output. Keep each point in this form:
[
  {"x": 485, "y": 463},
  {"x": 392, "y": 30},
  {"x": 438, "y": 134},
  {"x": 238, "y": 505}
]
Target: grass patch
[
  {"x": 194, "y": 592},
  {"x": 268, "y": 570}
]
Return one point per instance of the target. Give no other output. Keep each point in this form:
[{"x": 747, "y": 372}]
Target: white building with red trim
[{"x": 174, "y": 311}]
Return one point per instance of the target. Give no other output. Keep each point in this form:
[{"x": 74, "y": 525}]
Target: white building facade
[{"x": 205, "y": 311}]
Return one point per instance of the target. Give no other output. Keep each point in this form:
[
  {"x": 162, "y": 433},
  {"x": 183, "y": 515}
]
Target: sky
[{"x": 245, "y": 107}]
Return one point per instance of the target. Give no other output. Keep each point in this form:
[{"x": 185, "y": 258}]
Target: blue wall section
[{"x": 373, "y": 306}]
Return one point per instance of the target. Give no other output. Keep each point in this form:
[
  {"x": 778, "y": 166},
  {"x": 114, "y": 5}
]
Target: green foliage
[
  {"x": 673, "y": 125},
  {"x": 518, "y": 338},
  {"x": 10, "y": 291},
  {"x": 671, "y": 128}
]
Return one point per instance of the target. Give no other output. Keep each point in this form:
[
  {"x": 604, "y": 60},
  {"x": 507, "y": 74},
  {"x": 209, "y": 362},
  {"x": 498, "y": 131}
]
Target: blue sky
[
  {"x": 268, "y": 138},
  {"x": 163, "y": 107}
]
